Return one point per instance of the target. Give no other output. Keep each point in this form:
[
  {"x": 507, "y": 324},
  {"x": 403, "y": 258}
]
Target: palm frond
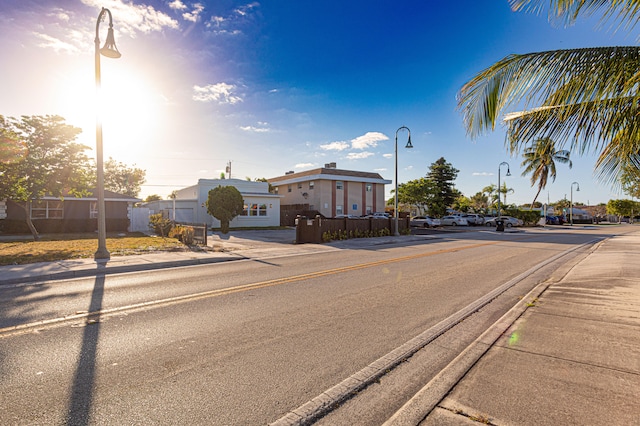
[
  {"x": 626, "y": 12},
  {"x": 546, "y": 80},
  {"x": 583, "y": 128},
  {"x": 620, "y": 156}
]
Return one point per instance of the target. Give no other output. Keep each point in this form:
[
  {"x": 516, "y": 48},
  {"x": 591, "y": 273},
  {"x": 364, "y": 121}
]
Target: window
[
  {"x": 289, "y": 188},
  {"x": 339, "y": 210},
  {"x": 300, "y": 185},
  {"x": 254, "y": 210},
  {"x": 339, "y": 184},
  {"x": 276, "y": 189},
  {"x": 368, "y": 187},
  {"x": 93, "y": 210},
  {"x": 369, "y": 210},
  {"x": 47, "y": 209},
  {"x": 311, "y": 184}
]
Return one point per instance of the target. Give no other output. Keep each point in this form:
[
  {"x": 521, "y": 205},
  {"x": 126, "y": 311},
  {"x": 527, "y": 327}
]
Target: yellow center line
[{"x": 96, "y": 315}]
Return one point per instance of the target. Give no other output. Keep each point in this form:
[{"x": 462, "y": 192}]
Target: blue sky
[{"x": 276, "y": 85}]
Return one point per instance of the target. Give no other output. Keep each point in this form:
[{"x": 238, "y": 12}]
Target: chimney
[
  {"x": 330, "y": 166},
  {"x": 290, "y": 172}
]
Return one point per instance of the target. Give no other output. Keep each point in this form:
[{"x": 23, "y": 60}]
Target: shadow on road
[{"x": 83, "y": 381}]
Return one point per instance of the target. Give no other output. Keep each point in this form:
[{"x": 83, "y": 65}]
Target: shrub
[
  {"x": 159, "y": 224},
  {"x": 184, "y": 234}
]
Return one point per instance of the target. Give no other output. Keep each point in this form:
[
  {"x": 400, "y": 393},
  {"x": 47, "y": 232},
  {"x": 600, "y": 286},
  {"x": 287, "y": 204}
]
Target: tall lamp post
[
  {"x": 571, "y": 207},
  {"x": 504, "y": 163},
  {"x": 395, "y": 209},
  {"x": 110, "y": 51}
]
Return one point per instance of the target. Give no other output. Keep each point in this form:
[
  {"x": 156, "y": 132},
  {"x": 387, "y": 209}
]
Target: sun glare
[
  {"x": 130, "y": 114},
  {"x": 129, "y": 105}
]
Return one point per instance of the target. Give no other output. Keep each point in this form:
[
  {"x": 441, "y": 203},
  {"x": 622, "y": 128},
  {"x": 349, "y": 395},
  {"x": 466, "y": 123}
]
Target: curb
[{"x": 106, "y": 270}]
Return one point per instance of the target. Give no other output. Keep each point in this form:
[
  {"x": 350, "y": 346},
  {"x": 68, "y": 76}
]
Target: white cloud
[
  {"x": 244, "y": 10},
  {"x": 130, "y": 19},
  {"x": 335, "y": 146},
  {"x": 482, "y": 174},
  {"x": 358, "y": 155},
  {"x": 56, "y": 44},
  {"x": 228, "y": 25},
  {"x": 62, "y": 15},
  {"x": 177, "y": 5},
  {"x": 387, "y": 155},
  {"x": 194, "y": 14},
  {"x": 368, "y": 140},
  {"x": 303, "y": 165},
  {"x": 222, "y": 93},
  {"x": 380, "y": 170},
  {"x": 254, "y": 129}
]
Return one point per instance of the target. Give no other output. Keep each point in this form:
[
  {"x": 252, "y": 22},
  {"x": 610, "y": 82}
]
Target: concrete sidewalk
[
  {"x": 233, "y": 246},
  {"x": 236, "y": 245},
  {"x": 569, "y": 354}
]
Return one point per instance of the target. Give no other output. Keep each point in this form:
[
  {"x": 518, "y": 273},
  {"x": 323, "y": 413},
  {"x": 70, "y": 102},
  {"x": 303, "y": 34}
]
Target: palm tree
[
  {"x": 540, "y": 161},
  {"x": 586, "y": 99},
  {"x": 492, "y": 193},
  {"x": 504, "y": 190}
]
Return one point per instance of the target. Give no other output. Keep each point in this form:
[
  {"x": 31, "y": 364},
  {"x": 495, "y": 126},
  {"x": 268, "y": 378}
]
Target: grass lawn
[{"x": 52, "y": 247}]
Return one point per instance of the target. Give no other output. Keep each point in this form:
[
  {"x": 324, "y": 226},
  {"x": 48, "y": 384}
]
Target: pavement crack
[{"x": 470, "y": 414}]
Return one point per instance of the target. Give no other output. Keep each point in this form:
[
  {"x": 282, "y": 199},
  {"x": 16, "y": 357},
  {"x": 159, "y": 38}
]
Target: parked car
[
  {"x": 508, "y": 221},
  {"x": 474, "y": 219},
  {"x": 346, "y": 216},
  {"x": 553, "y": 220},
  {"x": 424, "y": 222},
  {"x": 454, "y": 221},
  {"x": 380, "y": 215}
]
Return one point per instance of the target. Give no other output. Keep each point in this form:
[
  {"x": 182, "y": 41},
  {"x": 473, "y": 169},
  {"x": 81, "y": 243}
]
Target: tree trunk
[
  {"x": 536, "y": 197},
  {"x": 32, "y": 228}
]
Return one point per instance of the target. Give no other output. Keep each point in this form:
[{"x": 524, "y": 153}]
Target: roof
[
  {"x": 108, "y": 196},
  {"x": 329, "y": 174}
]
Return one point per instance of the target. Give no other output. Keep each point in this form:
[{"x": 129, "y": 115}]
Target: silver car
[
  {"x": 424, "y": 222},
  {"x": 508, "y": 221},
  {"x": 454, "y": 221},
  {"x": 474, "y": 219}
]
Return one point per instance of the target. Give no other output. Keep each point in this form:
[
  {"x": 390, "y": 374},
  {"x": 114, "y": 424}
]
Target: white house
[{"x": 261, "y": 208}]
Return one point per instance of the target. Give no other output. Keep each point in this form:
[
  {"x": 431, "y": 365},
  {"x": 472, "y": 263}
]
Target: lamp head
[
  {"x": 578, "y": 188},
  {"x": 109, "y": 49},
  {"x": 409, "y": 142},
  {"x": 508, "y": 172}
]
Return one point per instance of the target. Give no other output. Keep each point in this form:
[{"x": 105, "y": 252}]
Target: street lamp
[
  {"x": 110, "y": 51},
  {"x": 395, "y": 210},
  {"x": 504, "y": 163},
  {"x": 571, "y": 211}
]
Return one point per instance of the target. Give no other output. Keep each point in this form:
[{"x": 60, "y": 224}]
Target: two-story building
[{"x": 331, "y": 191}]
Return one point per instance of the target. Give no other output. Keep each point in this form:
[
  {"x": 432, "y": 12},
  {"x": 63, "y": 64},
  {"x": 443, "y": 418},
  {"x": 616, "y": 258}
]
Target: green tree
[
  {"x": 540, "y": 161},
  {"x": 152, "y": 197},
  {"x": 492, "y": 194},
  {"x": 630, "y": 182},
  {"x": 504, "y": 191},
  {"x": 120, "y": 178},
  {"x": 586, "y": 99},
  {"x": 271, "y": 188},
  {"x": 442, "y": 176},
  {"x": 622, "y": 208},
  {"x": 414, "y": 193},
  {"x": 561, "y": 204},
  {"x": 224, "y": 203},
  {"x": 462, "y": 203},
  {"x": 45, "y": 161},
  {"x": 480, "y": 201}
]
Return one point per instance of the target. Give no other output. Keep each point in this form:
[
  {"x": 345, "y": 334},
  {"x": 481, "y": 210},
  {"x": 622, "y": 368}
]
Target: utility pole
[{"x": 229, "y": 169}]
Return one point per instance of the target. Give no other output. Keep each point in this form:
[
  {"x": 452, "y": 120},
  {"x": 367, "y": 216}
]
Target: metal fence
[{"x": 199, "y": 232}]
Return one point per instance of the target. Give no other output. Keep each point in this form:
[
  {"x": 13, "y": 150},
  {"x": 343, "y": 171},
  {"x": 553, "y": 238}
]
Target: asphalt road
[{"x": 246, "y": 342}]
